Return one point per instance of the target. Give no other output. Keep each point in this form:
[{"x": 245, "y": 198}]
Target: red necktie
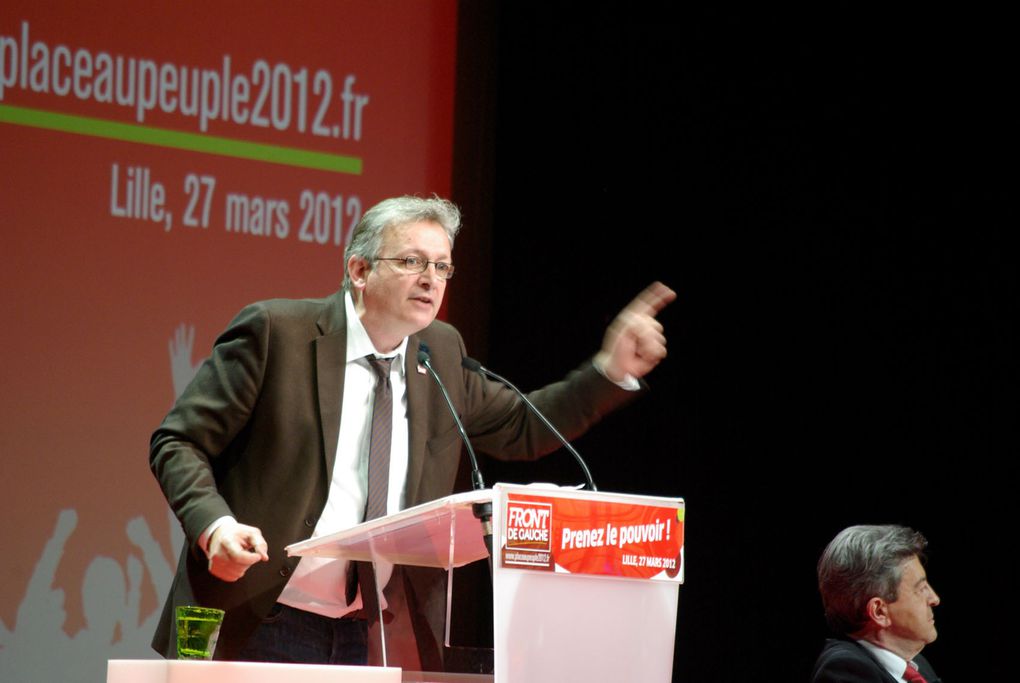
[{"x": 912, "y": 675}]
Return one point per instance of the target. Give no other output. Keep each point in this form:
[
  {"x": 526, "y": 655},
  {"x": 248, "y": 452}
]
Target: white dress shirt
[
  {"x": 318, "y": 584},
  {"x": 890, "y": 661}
]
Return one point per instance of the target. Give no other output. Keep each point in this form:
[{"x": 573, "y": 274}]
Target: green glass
[{"x": 198, "y": 628}]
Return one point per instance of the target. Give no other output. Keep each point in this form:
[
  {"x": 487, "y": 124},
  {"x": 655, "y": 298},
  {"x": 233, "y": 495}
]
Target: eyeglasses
[{"x": 417, "y": 264}]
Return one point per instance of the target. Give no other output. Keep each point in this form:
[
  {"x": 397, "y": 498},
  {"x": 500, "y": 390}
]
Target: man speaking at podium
[{"x": 311, "y": 416}]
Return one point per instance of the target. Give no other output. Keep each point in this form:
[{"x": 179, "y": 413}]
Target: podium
[{"x": 585, "y": 584}]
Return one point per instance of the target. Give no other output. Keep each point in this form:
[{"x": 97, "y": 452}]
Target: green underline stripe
[{"x": 192, "y": 142}]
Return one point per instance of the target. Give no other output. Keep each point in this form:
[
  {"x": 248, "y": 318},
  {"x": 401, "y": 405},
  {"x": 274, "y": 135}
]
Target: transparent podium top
[{"x": 443, "y": 533}]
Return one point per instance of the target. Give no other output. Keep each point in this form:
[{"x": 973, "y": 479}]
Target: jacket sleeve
[
  {"x": 500, "y": 424},
  {"x": 188, "y": 447}
]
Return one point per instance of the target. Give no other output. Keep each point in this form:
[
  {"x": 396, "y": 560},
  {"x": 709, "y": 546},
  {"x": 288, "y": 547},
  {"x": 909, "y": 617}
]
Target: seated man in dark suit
[{"x": 877, "y": 597}]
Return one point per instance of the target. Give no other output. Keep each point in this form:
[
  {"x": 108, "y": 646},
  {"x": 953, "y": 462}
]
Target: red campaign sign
[{"x": 603, "y": 538}]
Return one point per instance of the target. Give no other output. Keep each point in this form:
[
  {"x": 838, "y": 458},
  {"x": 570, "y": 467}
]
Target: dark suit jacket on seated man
[
  {"x": 269, "y": 444},
  {"x": 877, "y": 596}
]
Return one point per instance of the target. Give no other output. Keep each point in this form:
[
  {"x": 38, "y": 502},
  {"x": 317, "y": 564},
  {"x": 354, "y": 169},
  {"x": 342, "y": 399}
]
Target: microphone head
[
  {"x": 471, "y": 364},
  {"x": 423, "y": 353}
]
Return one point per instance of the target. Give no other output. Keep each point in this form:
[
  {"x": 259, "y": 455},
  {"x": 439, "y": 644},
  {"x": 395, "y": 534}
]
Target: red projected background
[{"x": 161, "y": 168}]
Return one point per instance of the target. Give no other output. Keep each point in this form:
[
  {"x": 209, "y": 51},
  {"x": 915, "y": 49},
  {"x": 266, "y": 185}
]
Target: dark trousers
[{"x": 297, "y": 637}]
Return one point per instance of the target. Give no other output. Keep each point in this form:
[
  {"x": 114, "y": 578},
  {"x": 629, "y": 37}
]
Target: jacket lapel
[
  {"x": 418, "y": 407},
  {"x": 330, "y": 360}
]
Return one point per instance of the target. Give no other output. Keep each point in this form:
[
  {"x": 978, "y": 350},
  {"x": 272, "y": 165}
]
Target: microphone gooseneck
[
  {"x": 483, "y": 511},
  {"x": 474, "y": 366},
  {"x": 425, "y": 360}
]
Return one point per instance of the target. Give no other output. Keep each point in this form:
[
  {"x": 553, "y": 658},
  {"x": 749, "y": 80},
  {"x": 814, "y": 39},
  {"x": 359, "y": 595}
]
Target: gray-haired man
[
  {"x": 877, "y": 597},
  {"x": 272, "y": 441}
]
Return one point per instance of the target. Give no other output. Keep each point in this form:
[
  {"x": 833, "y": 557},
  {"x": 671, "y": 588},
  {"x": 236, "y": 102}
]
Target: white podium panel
[
  {"x": 586, "y": 585},
  {"x": 585, "y": 629}
]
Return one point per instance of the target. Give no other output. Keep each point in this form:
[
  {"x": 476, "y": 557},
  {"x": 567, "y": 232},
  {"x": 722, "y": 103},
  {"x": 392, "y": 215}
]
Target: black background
[{"x": 830, "y": 193}]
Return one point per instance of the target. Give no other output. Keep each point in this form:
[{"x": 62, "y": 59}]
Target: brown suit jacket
[{"x": 255, "y": 435}]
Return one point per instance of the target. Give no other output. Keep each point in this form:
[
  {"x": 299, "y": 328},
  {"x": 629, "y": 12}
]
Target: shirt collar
[
  {"x": 889, "y": 660},
  {"x": 359, "y": 344}
]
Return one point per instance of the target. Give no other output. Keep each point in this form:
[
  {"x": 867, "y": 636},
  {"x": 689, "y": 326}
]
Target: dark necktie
[
  {"x": 379, "y": 443},
  {"x": 380, "y": 439},
  {"x": 912, "y": 675}
]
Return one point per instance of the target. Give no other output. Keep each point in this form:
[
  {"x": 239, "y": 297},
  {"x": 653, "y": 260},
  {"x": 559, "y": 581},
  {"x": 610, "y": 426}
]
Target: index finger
[
  {"x": 255, "y": 543},
  {"x": 652, "y": 299}
]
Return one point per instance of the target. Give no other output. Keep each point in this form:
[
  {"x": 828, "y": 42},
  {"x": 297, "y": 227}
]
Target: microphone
[
  {"x": 474, "y": 366},
  {"x": 482, "y": 511}
]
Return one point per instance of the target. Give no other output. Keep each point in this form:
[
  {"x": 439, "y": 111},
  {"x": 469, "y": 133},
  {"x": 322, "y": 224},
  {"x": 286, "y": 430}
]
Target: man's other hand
[{"x": 233, "y": 548}]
